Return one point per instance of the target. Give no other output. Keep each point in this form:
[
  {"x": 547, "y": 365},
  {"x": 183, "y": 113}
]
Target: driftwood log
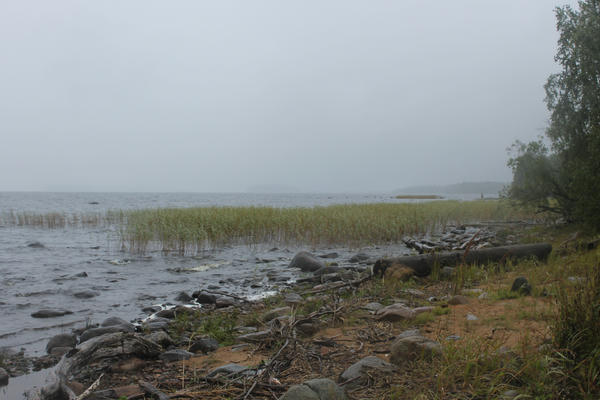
[{"x": 423, "y": 264}]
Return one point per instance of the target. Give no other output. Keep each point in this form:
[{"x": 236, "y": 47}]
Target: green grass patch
[{"x": 194, "y": 229}]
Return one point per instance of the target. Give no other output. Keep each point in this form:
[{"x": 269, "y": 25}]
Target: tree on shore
[{"x": 565, "y": 178}]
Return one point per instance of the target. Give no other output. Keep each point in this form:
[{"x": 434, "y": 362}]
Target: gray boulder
[
  {"x": 275, "y": 313},
  {"x": 360, "y": 257},
  {"x": 326, "y": 270},
  {"x": 356, "y": 374},
  {"x": 61, "y": 340},
  {"x": 160, "y": 337},
  {"x": 183, "y": 297},
  {"x": 156, "y": 324},
  {"x": 306, "y": 262},
  {"x": 111, "y": 321},
  {"x": 204, "y": 345},
  {"x": 413, "y": 347},
  {"x": 300, "y": 392},
  {"x": 326, "y": 389},
  {"x": 204, "y": 298},
  {"x": 85, "y": 294},
  {"x": 50, "y": 313},
  {"x": 175, "y": 355},
  {"x": 395, "y": 312},
  {"x": 103, "y": 330},
  {"x": 104, "y": 350}
]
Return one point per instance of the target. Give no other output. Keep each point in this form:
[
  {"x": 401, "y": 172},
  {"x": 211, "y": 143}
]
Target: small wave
[{"x": 197, "y": 268}]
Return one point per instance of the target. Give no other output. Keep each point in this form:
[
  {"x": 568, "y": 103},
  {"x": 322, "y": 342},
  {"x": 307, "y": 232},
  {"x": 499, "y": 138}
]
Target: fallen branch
[
  {"x": 148, "y": 388},
  {"x": 341, "y": 285},
  {"x": 423, "y": 264},
  {"x": 89, "y": 390}
]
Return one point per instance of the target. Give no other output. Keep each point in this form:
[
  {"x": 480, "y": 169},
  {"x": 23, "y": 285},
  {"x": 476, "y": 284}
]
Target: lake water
[{"x": 78, "y": 261}]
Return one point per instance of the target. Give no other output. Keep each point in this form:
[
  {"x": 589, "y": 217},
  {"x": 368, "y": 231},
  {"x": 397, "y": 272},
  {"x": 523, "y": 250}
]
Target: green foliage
[
  {"x": 576, "y": 333},
  {"x": 220, "y": 327},
  {"x": 566, "y": 180},
  {"x": 194, "y": 229}
]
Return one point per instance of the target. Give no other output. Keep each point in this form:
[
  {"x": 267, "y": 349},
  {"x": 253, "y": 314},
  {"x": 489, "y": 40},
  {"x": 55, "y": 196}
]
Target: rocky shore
[{"x": 330, "y": 335}]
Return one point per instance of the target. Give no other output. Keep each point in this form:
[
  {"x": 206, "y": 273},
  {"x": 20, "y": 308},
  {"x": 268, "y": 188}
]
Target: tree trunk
[{"x": 423, "y": 264}]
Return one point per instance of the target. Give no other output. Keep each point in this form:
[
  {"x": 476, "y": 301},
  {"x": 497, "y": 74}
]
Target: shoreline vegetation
[
  {"x": 192, "y": 230},
  {"x": 502, "y": 330},
  {"x": 419, "y": 197}
]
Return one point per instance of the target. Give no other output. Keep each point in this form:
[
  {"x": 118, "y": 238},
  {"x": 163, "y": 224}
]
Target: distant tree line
[{"x": 563, "y": 176}]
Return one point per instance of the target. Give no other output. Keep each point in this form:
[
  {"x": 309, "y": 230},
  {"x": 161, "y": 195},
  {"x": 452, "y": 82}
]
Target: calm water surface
[{"x": 54, "y": 276}]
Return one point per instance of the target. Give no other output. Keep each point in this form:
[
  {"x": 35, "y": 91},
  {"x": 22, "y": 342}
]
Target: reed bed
[
  {"x": 57, "y": 220},
  {"x": 191, "y": 230}
]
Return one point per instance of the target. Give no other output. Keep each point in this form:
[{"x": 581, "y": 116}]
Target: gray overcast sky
[{"x": 220, "y": 95}]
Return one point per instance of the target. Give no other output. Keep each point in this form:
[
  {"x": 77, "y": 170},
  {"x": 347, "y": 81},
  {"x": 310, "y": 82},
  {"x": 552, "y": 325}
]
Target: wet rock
[
  {"x": 329, "y": 255},
  {"x": 103, "y": 351},
  {"x": 326, "y": 389},
  {"x": 58, "y": 352},
  {"x": 3, "y": 377},
  {"x": 156, "y": 324},
  {"x": 458, "y": 299},
  {"x": 413, "y": 347},
  {"x": 275, "y": 313},
  {"x": 160, "y": 337},
  {"x": 331, "y": 278},
  {"x": 204, "y": 345},
  {"x": 151, "y": 309},
  {"x": 183, "y": 297},
  {"x": 360, "y": 257},
  {"x": 357, "y": 374},
  {"x": 398, "y": 273},
  {"x": 225, "y": 301},
  {"x": 175, "y": 355},
  {"x": 103, "y": 330},
  {"x": 36, "y": 245},
  {"x": 85, "y": 294},
  {"x": 326, "y": 270},
  {"x": 167, "y": 313},
  {"x": 111, "y": 321},
  {"x": 306, "y": 262},
  {"x": 204, "y": 298},
  {"x": 48, "y": 313},
  {"x": 61, "y": 340},
  {"x": 521, "y": 285},
  {"x": 395, "y": 312}
]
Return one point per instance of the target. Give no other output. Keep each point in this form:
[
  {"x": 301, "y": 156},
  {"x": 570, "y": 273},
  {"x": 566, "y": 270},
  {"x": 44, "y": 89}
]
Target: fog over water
[{"x": 221, "y": 96}]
